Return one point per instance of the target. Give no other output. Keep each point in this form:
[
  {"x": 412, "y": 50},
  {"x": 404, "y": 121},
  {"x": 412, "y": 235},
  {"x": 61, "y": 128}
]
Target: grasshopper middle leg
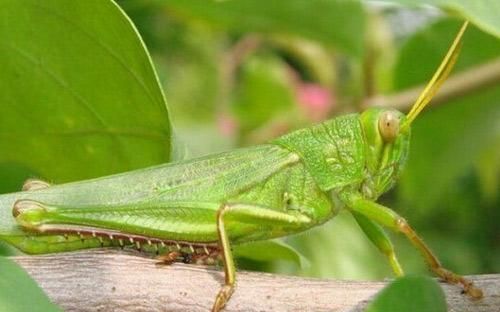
[
  {"x": 229, "y": 269},
  {"x": 250, "y": 213}
]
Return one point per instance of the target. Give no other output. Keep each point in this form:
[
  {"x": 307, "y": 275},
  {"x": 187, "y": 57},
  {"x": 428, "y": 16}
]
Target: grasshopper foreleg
[
  {"x": 380, "y": 239},
  {"x": 387, "y": 217}
]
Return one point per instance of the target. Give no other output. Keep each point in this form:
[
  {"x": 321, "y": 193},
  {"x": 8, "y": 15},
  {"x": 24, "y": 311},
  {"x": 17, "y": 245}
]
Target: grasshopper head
[
  {"x": 387, "y": 131},
  {"x": 386, "y": 148}
]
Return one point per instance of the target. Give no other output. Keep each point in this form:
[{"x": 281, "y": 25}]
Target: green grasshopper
[{"x": 197, "y": 209}]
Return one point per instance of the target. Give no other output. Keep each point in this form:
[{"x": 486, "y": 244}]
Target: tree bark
[{"x": 106, "y": 280}]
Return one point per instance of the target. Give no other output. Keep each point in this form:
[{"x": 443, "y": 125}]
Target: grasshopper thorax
[{"x": 386, "y": 149}]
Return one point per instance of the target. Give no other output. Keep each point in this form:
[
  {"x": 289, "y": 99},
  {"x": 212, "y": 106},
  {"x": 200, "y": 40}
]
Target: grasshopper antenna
[{"x": 437, "y": 80}]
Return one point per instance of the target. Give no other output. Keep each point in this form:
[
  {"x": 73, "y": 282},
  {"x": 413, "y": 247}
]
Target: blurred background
[
  {"x": 243, "y": 72},
  {"x": 239, "y": 73}
]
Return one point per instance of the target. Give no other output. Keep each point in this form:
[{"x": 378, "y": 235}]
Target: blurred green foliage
[
  {"x": 240, "y": 72},
  {"x": 293, "y": 17}
]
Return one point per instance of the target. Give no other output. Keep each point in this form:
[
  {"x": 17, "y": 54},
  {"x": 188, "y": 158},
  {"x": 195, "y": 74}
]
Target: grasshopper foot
[
  {"x": 222, "y": 297},
  {"x": 468, "y": 286},
  {"x": 34, "y": 185},
  {"x": 473, "y": 292},
  {"x": 168, "y": 258}
]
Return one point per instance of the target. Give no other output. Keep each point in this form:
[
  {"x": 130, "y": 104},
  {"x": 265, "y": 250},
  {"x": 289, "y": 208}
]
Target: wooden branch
[
  {"x": 115, "y": 281},
  {"x": 458, "y": 85}
]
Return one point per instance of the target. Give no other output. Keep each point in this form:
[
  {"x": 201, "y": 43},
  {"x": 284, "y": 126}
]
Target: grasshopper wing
[{"x": 176, "y": 201}]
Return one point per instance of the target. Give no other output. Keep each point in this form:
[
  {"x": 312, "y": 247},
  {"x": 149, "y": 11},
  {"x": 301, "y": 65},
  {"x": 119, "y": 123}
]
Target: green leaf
[
  {"x": 410, "y": 294},
  {"x": 340, "y": 24},
  {"x": 20, "y": 293},
  {"x": 446, "y": 140},
  {"x": 483, "y": 13},
  {"x": 270, "y": 250},
  {"x": 79, "y": 94}
]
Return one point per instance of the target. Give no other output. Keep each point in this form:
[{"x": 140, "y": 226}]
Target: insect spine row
[{"x": 137, "y": 241}]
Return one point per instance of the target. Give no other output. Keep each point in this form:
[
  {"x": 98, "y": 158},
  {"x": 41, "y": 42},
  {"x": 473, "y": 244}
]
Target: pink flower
[
  {"x": 227, "y": 125},
  {"x": 315, "y": 100}
]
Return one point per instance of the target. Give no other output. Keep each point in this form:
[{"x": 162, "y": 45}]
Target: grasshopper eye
[{"x": 388, "y": 125}]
